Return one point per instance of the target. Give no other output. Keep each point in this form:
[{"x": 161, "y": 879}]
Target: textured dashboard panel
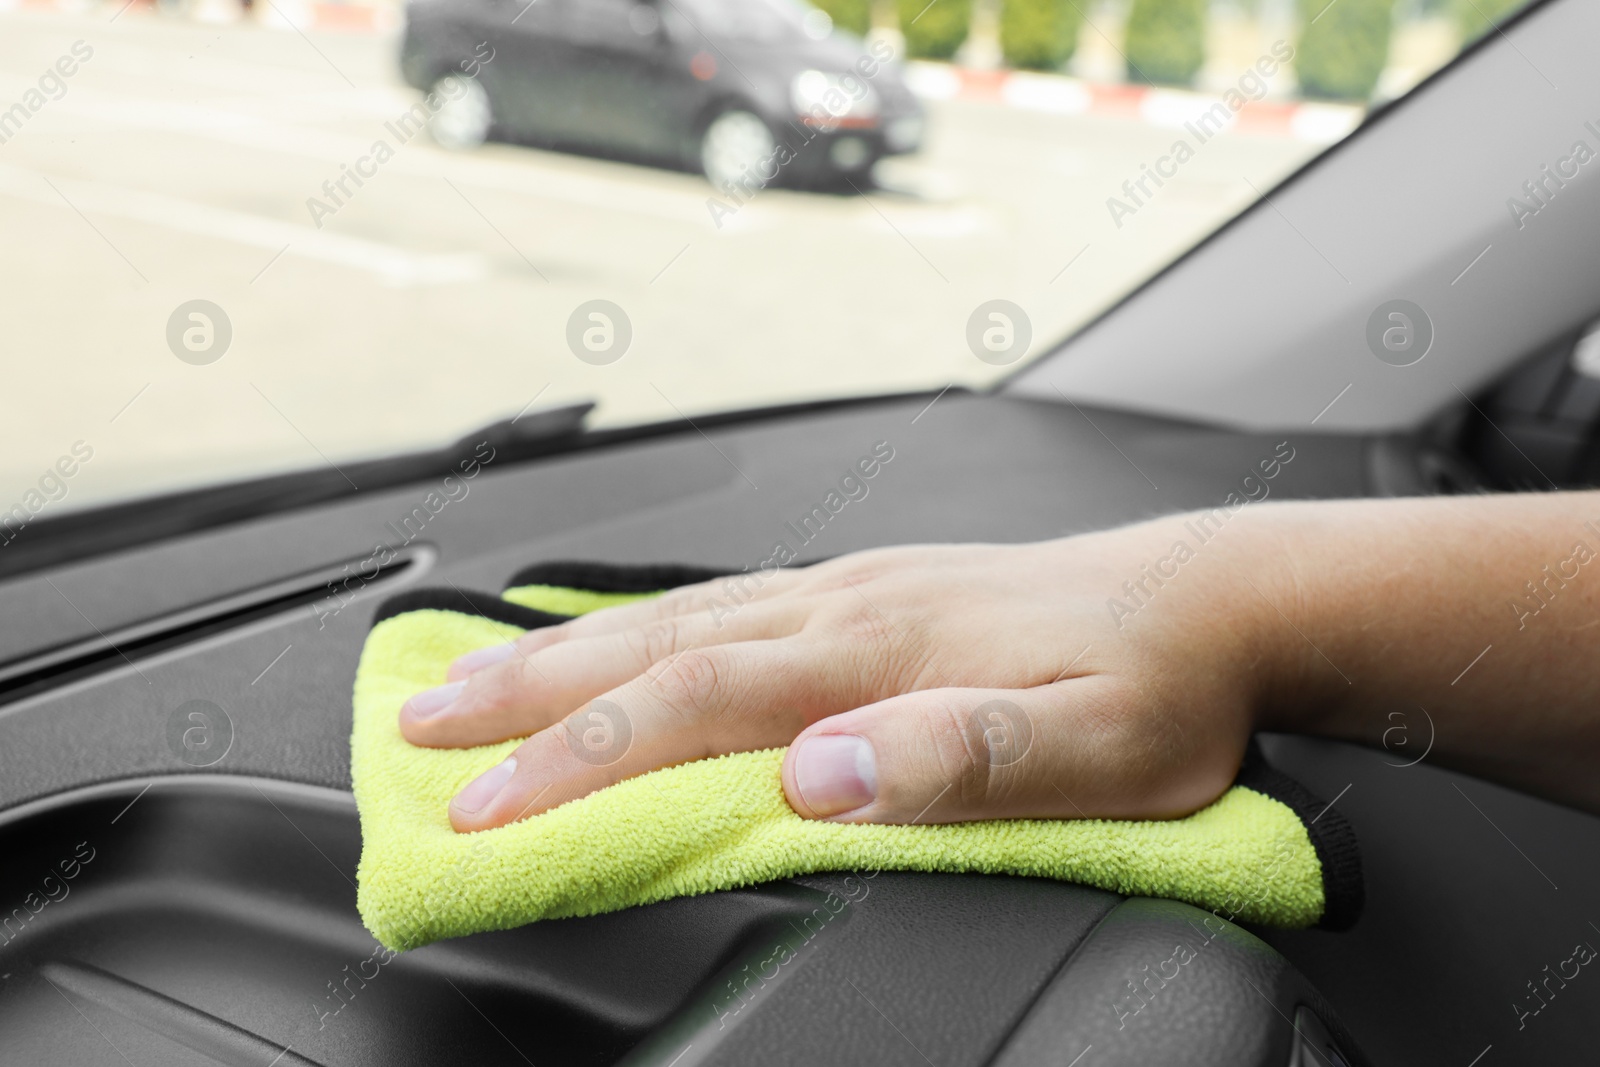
[
  {"x": 915, "y": 969},
  {"x": 1162, "y": 982}
]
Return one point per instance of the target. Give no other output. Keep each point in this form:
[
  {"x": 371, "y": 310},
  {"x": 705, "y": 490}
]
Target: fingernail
[
  {"x": 481, "y": 658},
  {"x": 484, "y": 788},
  {"x": 836, "y": 773},
  {"x": 430, "y": 702}
]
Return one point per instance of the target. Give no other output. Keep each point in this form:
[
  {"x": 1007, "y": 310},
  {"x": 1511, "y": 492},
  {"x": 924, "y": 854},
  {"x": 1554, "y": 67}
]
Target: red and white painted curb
[
  {"x": 1171, "y": 108},
  {"x": 272, "y": 14},
  {"x": 309, "y": 15},
  {"x": 1026, "y": 90}
]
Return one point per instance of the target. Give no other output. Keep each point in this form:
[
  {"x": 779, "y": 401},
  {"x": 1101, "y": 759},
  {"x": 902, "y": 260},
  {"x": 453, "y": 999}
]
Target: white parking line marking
[
  {"x": 590, "y": 190},
  {"x": 246, "y": 124},
  {"x": 396, "y": 266}
]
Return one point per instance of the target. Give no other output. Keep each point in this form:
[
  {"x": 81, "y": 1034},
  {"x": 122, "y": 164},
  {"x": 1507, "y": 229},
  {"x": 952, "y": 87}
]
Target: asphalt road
[{"x": 177, "y": 166}]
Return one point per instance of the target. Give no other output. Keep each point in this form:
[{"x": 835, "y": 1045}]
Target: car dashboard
[{"x": 209, "y": 914}]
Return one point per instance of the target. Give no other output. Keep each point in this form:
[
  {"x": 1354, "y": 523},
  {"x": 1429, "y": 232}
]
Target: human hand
[{"x": 926, "y": 683}]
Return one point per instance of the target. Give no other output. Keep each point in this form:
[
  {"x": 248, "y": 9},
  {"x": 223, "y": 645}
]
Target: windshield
[{"x": 247, "y": 237}]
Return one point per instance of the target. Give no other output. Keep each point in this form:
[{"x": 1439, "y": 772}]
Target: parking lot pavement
[{"x": 179, "y": 161}]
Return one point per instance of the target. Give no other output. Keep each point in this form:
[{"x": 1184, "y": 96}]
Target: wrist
[{"x": 1273, "y": 597}]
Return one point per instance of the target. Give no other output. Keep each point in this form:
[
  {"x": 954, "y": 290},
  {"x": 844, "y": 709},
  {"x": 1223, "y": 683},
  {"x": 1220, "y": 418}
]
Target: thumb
[{"x": 1073, "y": 749}]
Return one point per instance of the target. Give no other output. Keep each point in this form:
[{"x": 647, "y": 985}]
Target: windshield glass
[{"x": 247, "y": 237}]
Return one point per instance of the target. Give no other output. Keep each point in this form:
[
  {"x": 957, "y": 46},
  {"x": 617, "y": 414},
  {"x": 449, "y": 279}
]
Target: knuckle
[
  {"x": 861, "y": 622},
  {"x": 497, "y": 689},
  {"x": 979, "y": 782},
  {"x": 599, "y": 734},
  {"x": 693, "y": 678},
  {"x": 654, "y": 641},
  {"x": 522, "y": 678},
  {"x": 492, "y": 687},
  {"x": 983, "y": 761},
  {"x": 875, "y": 565},
  {"x": 880, "y": 660},
  {"x": 838, "y": 576},
  {"x": 961, "y": 764},
  {"x": 663, "y": 638},
  {"x": 856, "y": 568},
  {"x": 891, "y": 655}
]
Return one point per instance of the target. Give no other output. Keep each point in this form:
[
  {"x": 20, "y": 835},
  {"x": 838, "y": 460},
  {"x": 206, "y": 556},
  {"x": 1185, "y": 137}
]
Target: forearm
[{"x": 1477, "y": 615}]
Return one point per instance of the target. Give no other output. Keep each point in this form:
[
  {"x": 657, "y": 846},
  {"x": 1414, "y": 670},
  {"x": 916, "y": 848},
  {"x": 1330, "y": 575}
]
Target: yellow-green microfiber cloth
[{"x": 1266, "y": 851}]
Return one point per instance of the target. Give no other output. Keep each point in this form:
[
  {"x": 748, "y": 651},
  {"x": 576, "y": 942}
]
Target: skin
[{"x": 1339, "y": 619}]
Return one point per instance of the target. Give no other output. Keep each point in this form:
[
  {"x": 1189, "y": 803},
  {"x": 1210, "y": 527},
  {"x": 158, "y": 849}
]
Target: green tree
[
  {"x": 1476, "y": 17},
  {"x": 852, "y": 15},
  {"x": 1343, "y": 47},
  {"x": 1038, "y": 34},
  {"x": 1166, "y": 41},
  {"x": 934, "y": 29}
]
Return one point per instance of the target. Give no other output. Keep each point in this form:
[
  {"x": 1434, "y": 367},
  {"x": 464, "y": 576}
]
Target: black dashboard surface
[{"x": 1472, "y": 889}]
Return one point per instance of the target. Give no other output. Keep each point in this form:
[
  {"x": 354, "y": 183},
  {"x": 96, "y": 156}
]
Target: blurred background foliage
[
  {"x": 852, "y": 15},
  {"x": 1345, "y": 50},
  {"x": 934, "y": 30},
  {"x": 1166, "y": 41},
  {"x": 1038, "y": 34},
  {"x": 1343, "y": 47},
  {"x": 1478, "y": 17}
]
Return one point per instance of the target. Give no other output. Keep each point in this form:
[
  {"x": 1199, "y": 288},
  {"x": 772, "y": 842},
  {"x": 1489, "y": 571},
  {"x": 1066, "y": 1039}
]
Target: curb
[
  {"x": 320, "y": 16},
  {"x": 1169, "y": 108},
  {"x": 1058, "y": 94},
  {"x": 317, "y": 15},
  {"x": 352, "y": 18}
]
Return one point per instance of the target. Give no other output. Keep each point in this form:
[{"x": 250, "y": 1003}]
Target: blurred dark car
[{"x": 749, "y": 92}]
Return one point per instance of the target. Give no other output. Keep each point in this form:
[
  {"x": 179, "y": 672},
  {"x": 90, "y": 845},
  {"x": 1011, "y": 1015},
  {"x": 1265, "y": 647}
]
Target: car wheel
[
  {"x": 738, "y": 148},
  {"x": 466, "y": 117}
]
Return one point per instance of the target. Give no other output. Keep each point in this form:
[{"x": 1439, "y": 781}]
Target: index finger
[{"x": 707, "y": 702}]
